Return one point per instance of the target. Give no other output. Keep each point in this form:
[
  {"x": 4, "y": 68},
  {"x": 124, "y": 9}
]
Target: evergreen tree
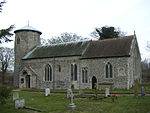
[
  {"x": 5, "y": 34},
  {"x": 107, "y": 32},
  {"x": 1, "y": 4}
]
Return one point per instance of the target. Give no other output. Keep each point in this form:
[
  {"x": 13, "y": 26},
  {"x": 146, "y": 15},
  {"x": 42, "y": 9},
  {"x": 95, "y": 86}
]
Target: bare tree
[
  {"x": 63, "y": 38},
  {"x": 148, "y": 46},
  {"x": 44, "y": 41},
  {"x": 6, "y": 60}
]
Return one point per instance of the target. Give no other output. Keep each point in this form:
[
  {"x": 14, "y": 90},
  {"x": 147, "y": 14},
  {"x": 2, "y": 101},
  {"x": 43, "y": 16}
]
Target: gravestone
[
  {"x": 19, "y": 103},
  {"x": 70, "y": 95},
  {"x": 107, "y": 92},
  {"x": 47, "y": 91},
  {"x": 142, "y": 91},
  {"x": 15, "y": 96}
]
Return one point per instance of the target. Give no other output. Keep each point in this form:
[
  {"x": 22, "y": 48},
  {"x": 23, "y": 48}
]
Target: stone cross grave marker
[
  {"x": 107, "y": 92},
  {"x": 47, "y": 91},
  {"x": 142, "y": 91},
  {"x": 19, "y": 103},
  {"x": 15, "y": 96},
  {"x": 70, "y": 95},
  {"x": 69, "y": 92}
]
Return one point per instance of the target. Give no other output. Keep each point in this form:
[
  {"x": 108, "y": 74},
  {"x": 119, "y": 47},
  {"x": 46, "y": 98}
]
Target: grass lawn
[
  {"x": 58, "y": 103},
  {"x": 131, "y": 90}
]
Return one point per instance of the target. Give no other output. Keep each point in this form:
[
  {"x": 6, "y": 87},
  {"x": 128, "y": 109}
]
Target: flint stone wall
[{"x": 96, "y": 67}]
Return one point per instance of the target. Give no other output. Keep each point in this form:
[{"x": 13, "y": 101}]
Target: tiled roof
[
  {"x": 61, "y": 50},
  {"x": 116, "y": 47}
]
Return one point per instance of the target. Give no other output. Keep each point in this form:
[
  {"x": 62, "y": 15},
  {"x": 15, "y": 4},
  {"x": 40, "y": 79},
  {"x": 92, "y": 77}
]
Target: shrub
[{"x": 4, "y": 94}]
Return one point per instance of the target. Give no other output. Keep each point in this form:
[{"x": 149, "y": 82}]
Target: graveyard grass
[
  {"x": 131, "y": 90},
  {"x": 58, "y": 103}
]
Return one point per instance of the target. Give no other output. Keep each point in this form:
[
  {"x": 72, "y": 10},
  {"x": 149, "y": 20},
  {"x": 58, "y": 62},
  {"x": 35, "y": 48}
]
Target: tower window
[{"x": 18, "y": 40}]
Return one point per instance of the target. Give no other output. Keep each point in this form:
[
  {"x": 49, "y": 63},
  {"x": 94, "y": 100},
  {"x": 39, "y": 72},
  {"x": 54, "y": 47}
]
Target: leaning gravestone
[
  {"x": 19, "y": 103},
  {"x": 15, "y": 96},
  {"x": 142, "y": 91},
  {"x": 47, "y": 91},
  {"x": 107, "y": 92},
  {"x": 70, "y": 95}
]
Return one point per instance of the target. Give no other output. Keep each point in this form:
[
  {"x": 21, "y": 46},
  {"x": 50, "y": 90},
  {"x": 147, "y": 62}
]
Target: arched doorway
[
  {"x": 94, "y": 80},
  {"x": 27, "y": 81}
]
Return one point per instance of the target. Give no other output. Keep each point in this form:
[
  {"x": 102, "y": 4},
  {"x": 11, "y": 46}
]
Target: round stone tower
[{"x": 26, "y": 38}]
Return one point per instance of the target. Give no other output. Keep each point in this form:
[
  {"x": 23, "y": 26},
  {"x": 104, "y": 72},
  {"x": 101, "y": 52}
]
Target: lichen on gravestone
[{"x": 19, "y": 103}]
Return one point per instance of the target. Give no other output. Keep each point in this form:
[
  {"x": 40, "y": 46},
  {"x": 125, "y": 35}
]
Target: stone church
[{"x": 111, "y": 62}]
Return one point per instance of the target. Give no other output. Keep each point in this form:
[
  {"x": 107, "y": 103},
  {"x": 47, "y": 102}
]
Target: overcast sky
[{"x": 53, "y": 17}]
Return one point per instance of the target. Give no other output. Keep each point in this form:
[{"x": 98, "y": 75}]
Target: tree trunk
[{"x": 3, "y": 78}]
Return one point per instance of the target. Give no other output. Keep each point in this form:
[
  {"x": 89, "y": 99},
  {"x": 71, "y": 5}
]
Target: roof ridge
[
  {"x": 119, "y": 38},
  {"x": 67, "y": 43}
]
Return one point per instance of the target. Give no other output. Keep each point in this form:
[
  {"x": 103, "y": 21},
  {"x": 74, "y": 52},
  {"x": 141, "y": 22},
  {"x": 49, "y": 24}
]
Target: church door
[
  {"x": 28, "y": 81},
  {"x": 94, "y": 80}
]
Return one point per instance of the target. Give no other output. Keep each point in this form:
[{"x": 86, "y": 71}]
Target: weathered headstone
[
  {"x": 107, "y": 92},
  {"x": 19, "y": 103},
  {"x": 70, "y": 95},
  {"x": 15, "y": 96},
  {"x": 47, "y": 91},
  {"x": 142, "y": 91}
]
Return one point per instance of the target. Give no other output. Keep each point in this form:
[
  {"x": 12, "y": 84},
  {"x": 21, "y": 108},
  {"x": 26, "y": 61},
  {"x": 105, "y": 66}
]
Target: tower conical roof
[{"x": 28, "y": 28}]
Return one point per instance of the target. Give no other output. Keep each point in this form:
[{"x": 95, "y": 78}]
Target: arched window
[
  {"x": 48, "y": 73},
  {"x": 74, "y": 72},
  {"x": 84, "y": 75},
  {"x": 18, "y": 40},
  {"x": 71, "y": 72},
  {"x": 59, "y": 68},
  {"x": 86, "y": 79},
  {"x": 108, "y": 70}
]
